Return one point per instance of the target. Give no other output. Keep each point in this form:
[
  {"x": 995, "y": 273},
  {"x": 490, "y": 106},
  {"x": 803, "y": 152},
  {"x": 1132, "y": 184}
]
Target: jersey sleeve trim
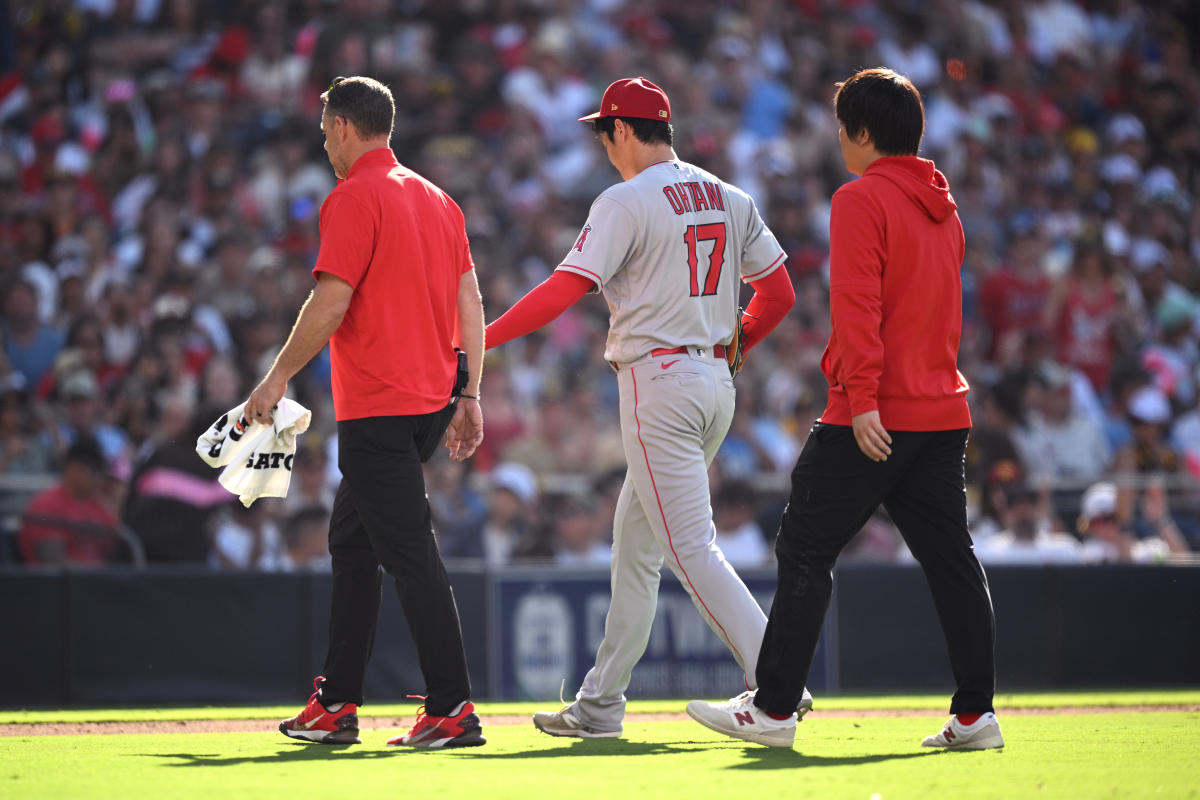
[
  {"x": 587, "y": 273},
  {"x": 750, "y": 278}
]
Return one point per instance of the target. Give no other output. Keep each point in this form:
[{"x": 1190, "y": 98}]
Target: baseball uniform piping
[
  {"x": 760, "y": 273},
  {"x": 589, "y": 274},
  {"x": 663, "y": 514}
]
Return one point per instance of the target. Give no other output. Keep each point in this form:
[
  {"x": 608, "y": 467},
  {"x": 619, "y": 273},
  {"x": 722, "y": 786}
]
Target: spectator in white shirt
[{"x": 1023, "y": 541}]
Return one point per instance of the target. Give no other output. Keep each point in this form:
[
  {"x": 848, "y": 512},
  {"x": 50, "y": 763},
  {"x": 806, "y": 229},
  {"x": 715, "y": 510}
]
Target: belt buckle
[{"x": 700, "y": 352}]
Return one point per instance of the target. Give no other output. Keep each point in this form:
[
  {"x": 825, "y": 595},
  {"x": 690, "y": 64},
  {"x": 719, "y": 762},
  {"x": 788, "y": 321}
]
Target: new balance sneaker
[
  {"x": 565, "y": 723},
  {"x": 460, "y": 729},
  {"x": 318, "y": 724},
  {"x": 741, "y": 719},
  {"x": 982, "y": 734}
]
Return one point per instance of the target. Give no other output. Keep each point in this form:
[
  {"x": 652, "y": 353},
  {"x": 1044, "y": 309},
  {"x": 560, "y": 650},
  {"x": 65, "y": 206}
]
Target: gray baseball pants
[{"x": 675, "y": 412}]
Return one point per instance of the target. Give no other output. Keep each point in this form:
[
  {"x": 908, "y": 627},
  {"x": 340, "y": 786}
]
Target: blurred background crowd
[{"x": 161, "y": 172}]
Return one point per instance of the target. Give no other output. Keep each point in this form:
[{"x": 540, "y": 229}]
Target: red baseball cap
[{"x": 633, "y": 97}]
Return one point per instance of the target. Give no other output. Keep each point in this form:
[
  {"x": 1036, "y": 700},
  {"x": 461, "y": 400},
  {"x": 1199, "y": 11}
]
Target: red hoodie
[{"x": 895, "y": 295}]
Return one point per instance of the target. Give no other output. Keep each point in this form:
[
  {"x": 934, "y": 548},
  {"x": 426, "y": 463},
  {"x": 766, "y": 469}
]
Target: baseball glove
[{"x": 734, "y": 355}]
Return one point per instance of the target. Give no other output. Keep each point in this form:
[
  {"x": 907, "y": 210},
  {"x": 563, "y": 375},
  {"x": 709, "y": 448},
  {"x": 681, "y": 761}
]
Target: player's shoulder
[
  {"x": 863, "y": 187},
  {"x": 348, "y": 192},
  {"x": 734, "y": 194},
  {"x": 865, "y": 193},
  {"x": 626, "y": 194}
]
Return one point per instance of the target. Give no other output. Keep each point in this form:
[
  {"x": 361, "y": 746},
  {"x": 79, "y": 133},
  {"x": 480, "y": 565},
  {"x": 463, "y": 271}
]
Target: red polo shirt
[
  {"x": 80, "y": 545},
  {"x": 401, "y": 243}
]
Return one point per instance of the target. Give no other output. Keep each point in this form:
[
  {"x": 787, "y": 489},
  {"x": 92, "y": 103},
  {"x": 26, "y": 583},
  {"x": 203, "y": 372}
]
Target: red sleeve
[
  {"x": 34, "y": 533},
  {"x": 347, "y": 238},
  {"x": 544, "y": 302},
  {"x": 773, "y": 298},
  {"x": 856, "y": 256}
]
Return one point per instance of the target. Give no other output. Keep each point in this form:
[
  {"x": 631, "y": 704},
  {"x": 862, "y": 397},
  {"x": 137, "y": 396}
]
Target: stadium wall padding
[{"x": 178, "y": 635}]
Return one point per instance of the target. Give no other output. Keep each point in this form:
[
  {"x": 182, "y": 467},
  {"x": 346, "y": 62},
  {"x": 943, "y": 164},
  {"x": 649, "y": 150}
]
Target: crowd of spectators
[{"x": 161, "y": 172}]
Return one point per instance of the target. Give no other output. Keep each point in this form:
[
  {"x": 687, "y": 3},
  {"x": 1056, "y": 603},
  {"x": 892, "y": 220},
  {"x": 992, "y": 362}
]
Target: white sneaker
[
  {"x": 741, "y": 719},
  {"x": 565, "y": 723},
  {"x": 983, "y": 734}
]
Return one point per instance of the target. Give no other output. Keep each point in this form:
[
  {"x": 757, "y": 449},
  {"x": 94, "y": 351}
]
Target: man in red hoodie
[{"x": 895, "y": 427}]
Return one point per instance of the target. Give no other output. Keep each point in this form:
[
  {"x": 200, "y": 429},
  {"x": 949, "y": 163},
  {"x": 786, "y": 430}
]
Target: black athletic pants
[
  {"x": 835, "y": 490},
  {"x": 381, "y": 517}
]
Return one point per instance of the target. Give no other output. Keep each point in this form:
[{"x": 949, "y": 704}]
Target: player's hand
[
  {"x": 465, "y": 433},
  {"x": 873, "y": 439},
  {"x": 263, "y": 400}
]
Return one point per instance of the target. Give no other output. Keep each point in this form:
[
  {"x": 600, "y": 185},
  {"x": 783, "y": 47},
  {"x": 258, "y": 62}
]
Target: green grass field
[{"x": 1153, "y": 753}]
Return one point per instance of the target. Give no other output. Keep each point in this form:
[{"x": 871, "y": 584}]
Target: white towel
[{"x": 257, "y": 457}]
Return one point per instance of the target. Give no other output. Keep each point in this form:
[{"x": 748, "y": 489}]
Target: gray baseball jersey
[{"x": 667, "y": 248}]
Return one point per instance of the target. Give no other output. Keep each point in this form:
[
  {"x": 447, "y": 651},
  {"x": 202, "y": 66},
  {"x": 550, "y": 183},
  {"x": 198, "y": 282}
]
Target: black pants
[
  {"x": 835, "y": 490},
  {"x": 381, "y": 517}
]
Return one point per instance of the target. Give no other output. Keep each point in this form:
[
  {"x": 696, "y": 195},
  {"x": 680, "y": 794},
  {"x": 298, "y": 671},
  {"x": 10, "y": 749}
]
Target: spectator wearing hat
[
  {"x": 1059, "y": 442},
  {"x": 578, "y": 533},
  {"x": 68, "y": 524},
  {"x": 1150, "y": 450},
  {"x": 511, "y": 508},
  {"x": 1151, "y": 453},
  {"x": 1024, "y": 539},
  {"x": 80, "y": 395},
  {"x": 1106, "y": 540}
]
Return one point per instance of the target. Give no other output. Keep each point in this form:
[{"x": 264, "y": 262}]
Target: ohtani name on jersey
[{"x": 694, "y": 196}]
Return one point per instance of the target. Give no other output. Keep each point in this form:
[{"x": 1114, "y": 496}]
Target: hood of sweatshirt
[{"x": 920, "y": 181}]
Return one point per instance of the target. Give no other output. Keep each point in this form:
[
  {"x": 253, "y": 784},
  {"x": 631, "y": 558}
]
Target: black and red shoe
[
  {"x": 318, "y": 724},
  {"x": 460, "y": 729}
]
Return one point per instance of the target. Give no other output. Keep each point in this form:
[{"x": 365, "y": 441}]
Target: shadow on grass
[
  {"x": 288, "y": 753},
  {"x": 782, "y": 758},
  {"x": 588, "y": 747},
  {"x": 298, "y": 752}
]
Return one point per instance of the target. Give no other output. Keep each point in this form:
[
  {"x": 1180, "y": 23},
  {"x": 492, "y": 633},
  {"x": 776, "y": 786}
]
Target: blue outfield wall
[{"x": 174, "y": 635}]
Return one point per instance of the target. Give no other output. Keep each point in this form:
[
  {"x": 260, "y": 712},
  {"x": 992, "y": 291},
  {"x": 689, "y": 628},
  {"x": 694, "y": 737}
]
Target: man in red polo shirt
[
  {"x": 68, "y": 524},
  {"x": 395, "y": 286},
  {"x": 895, "y": 427}
]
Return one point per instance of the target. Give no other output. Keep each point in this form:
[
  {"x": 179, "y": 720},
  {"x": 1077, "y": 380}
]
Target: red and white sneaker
[
  {"x": 460, "y": 729},
  {"x": 982, "y": 734},
  {"x": 318, "y": 724}
]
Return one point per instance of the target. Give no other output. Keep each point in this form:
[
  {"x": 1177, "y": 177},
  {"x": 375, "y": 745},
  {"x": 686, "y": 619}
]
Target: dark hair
[
  {"x": 86, "y": 450},
  {"x": 647, "y": 131},
  {"x": 887, "y": 105},
  {"x": 364, "y": 102}
]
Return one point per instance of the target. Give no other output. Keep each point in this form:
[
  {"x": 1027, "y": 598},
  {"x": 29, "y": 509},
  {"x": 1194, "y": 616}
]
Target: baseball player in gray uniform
[{"x": 667, "y": 247}]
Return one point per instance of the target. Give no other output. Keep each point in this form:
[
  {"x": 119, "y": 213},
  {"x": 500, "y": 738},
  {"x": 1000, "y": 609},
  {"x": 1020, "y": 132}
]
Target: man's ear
[{"x": 862, "y": 138}]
